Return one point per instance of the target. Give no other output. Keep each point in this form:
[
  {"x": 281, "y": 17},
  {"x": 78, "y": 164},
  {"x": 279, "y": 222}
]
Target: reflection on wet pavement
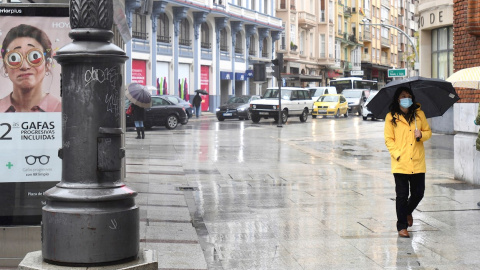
[{"x": 314, "y": 195}]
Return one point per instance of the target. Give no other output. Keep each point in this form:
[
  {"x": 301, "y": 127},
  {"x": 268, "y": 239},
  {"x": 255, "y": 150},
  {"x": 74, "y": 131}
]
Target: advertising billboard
[{"x": 30, "y": 108}]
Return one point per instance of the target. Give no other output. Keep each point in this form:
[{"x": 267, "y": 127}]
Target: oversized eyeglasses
[
  {"x": 33, "y": 159},
  {"x": 14, "y": 59}
]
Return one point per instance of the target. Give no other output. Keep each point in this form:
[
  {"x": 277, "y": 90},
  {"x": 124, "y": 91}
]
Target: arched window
[
  {"x": 163, "y": 33},
  {"x": 139, "y": 26},
  {"x": 223, "y": 40},
  {"x": 184, "y": 36},
  {"x": 265, "y": 48},
  {"x": 238, "y": 43},
  {"x": 205, "y": 38}
]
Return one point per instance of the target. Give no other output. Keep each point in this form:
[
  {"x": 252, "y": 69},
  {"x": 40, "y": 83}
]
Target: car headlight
[
  {"x": 253, "y": 106},
  {"x": 241, "y": 109},
  {"x": 217, "y": 110},
  {"x": 333, "y": 106}
]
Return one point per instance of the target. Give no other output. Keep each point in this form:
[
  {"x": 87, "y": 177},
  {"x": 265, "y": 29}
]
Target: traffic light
[{"x": 278, "y": 66}]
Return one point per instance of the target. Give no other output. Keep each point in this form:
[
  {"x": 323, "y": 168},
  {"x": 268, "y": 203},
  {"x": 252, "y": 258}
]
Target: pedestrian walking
[
  {"x": 406, "y": 128},
  {"x": 138, "y": 114},
  {"x": 197, "y": 102}
]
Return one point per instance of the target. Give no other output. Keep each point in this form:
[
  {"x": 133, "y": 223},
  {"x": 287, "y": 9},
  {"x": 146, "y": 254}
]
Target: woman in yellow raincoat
[{"x": 406, "y": 128}]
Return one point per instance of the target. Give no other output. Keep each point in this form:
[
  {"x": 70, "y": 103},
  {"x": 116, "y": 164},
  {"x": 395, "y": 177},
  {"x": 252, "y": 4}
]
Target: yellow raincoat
[{"x": 401, "y": 142}]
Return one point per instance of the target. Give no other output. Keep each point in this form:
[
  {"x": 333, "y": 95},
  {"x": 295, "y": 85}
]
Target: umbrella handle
[{"x": 418, "y": 139}]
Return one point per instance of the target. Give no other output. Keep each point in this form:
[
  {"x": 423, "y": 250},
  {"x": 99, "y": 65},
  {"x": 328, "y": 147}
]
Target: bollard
[{"x": 90, "y": 217}]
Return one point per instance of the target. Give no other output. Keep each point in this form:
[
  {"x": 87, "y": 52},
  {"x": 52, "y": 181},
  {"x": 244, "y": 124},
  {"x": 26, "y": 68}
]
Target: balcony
[
  {"x": 164, "y": 39},
  {"x": 306, "y": 20},
  {"x": 347, "y": 11},
  {"x": 385, "y": 42},
  {"x": 367, "y": 36},
  {"x": 352, "y": 38},
  {"x": 366, "y": 57},
  {"x": 205, "y": 45},
  {"x": 384, "y": 61}
]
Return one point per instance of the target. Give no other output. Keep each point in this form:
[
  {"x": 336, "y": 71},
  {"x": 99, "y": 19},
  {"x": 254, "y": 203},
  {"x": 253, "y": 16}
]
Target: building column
[
  {"x": 236, "y": 26},
  {"x": 250, "y": 29},
  {"x": 130, "y": 6},
  {"x": 220, "y": 23},
  {"x": 179, "y": 13},
  {"x": 199, "y": 18},
  {"x": 157, "y": 9}
]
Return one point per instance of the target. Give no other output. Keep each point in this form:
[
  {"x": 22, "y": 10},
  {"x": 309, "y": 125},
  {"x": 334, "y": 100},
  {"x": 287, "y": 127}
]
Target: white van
[{"x": 316, "y": 92}]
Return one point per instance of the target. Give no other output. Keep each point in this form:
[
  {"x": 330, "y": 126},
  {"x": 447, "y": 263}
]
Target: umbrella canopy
[
  {"x": 139, "y": 95},
  {"x": 201, "y": 91},
  {"x": 467, "y": 78},
  {"x": 434, "y": 95}
]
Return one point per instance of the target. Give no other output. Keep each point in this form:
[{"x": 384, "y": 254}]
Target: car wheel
[
  {"x": 172, "y": 122},
  {"x": 240, "y": 118},
  {"x": 373, "y": 118},
  {"x": 364, "y": 117},
  {"x": 249, "y": 115},
  {"x": 304, "y": 116},
  {"x": 220, "y": 118},
  {"x": 255, "y": 118},
  {"x": 345, "y": 114},
  {"x": 337, "y": 114},
  {"x": 314, "y": 116},
  {"x": 284, "y": 117}
]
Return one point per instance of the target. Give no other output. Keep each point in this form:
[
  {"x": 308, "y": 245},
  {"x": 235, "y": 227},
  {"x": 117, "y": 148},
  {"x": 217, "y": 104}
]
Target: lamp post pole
[{"x": 410, "y": 39}]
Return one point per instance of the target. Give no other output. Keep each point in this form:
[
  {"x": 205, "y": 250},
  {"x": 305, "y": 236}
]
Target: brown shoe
[
  {"x": 410, "y": 220},
  {"x": 403, "y": 233}
]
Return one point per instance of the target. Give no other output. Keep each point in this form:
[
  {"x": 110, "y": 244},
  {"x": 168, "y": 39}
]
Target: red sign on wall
[
  {"x": 204, "y": 84},
  {"x": 139, "y": 72}
]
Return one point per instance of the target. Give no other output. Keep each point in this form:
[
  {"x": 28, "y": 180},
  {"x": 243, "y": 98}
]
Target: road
[{"x": 314, "y": 195}]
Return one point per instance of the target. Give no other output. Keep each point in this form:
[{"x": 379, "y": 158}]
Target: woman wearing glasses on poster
[{"x": 27, "y": 59}]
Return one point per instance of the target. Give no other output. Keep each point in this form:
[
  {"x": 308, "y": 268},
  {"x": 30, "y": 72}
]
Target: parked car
[
  {"x": 162, "y": 113},
  {"x": 330, "y": 105},
  {"x": 356, "y": 99},
  {"x": 316, "y": 92},
  {"x": 296, "y": 101},
  {"x": 365, "y": 112},
  {"x": 236, "y": 107},
  {"x": 178, "y": 101}
]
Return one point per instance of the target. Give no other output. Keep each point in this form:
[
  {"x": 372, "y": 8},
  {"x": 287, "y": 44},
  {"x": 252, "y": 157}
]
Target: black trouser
[{"x": 404, "y": 204}]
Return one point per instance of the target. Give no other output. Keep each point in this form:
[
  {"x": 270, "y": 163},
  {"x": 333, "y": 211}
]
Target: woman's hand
[{"x": 418, "y": 134}]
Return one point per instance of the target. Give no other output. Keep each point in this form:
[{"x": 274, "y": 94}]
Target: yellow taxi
[{"x": 330, "y": 104}]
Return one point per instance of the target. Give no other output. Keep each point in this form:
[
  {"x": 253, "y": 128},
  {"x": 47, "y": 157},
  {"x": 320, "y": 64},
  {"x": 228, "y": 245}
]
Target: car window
[
  {"x": 303, "y": 94},
  {"x": 352, "y": 93},
  {"x": 173, "y": 100},
  {"x": 328, "y": 99},
  {"x": 342, "y": 99},
  {"x": 294, "y": 95},
  {"x": 271, "y": 93}
]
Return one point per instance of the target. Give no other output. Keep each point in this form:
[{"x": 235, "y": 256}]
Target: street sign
[{"x": 400, "y": 72}]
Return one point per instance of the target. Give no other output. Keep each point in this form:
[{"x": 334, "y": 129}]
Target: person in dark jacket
[
  {"x": 138, "y": 114},
  {"x": 197, "y": 102}
]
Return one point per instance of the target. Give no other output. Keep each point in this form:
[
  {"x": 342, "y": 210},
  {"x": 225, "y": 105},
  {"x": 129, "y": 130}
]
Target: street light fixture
[{"x": 365, "y": 22}]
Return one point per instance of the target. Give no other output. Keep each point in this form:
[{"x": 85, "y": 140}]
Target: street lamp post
[{"x": 365, "y": 22}]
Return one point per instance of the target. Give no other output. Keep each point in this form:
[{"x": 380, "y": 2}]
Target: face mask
[{"x": 406, "y": 102}]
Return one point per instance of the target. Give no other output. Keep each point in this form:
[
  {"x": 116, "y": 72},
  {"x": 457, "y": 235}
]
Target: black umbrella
[
  {"x": 201, "y": 91},
  {"x": 434, "y": 95}
]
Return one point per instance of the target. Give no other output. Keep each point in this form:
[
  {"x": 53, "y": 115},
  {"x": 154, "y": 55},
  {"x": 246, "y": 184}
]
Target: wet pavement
[{"x": 314, "y": 195}]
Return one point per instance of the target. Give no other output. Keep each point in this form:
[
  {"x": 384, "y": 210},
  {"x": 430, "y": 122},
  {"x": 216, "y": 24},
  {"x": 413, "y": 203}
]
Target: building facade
[
  {"x": 179, "y": 46},
  {"x": 466, "y": 39}
]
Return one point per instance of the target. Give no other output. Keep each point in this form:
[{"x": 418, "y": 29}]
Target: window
[
  {"x": 322, "y": 10},
  {"x": 238, "y": 43},
  {"x": 442, "y": 52},
  {"x": 265, "y": 6},
  {"x": 312, "y": 49},
  {"x": 251, "y": 50},
  {"x": 302, "y": 42},
  {"x": 253, "y": 5},
  {"x": 339, "y": 23},
  {"x": 330, "y": 11},
  {"x": 265, "y": 48},
  {"x": 239, "y": 3},
  {"x": 223, "y": 40},
  {"x": 283, "y": 4},
  {"x": 331, "y": 46},
  {"x": 184, "y": 37},
  {"x": 163, "y": 33},
  {"x": 283, "y": 41},
  {"x": 322, "y": 45},
  {"x": 139, "y": 26},
  {"x": 205, "y": 39}
]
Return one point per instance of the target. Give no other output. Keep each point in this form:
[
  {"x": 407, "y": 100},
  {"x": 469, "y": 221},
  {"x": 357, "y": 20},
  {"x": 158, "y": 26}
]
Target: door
[{"x": 155, "y": 115}]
